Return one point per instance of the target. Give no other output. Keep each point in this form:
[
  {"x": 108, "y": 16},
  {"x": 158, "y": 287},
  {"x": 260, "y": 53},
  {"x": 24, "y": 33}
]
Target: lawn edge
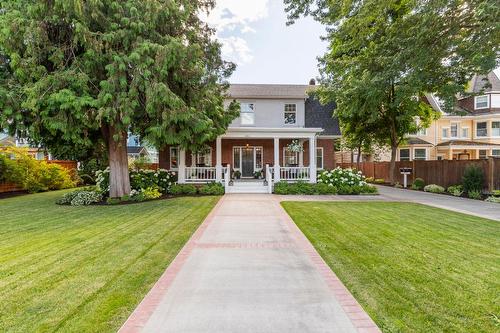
[
  {"x": 143, "y": 311},
  {"x": 358, "y": 316}
]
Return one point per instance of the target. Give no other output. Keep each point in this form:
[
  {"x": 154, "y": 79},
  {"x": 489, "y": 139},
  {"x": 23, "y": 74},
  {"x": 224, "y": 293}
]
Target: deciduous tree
[{"x": 383, "y": 56}]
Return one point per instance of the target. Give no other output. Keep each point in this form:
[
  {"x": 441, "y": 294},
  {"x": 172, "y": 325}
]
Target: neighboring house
[
  {"x": 271, "y": 116},
  {"x": 38, "y": 153},
  {"x": 136, "y": 150},
  {"x": 473, "y": 135}
]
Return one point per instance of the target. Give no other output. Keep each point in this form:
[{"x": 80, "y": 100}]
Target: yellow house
[{"x": 474, "y": 135}]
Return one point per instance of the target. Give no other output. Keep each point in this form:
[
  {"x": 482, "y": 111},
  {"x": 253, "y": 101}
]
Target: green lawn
[
  {"x": 413, "y": 268},
  {"x": 84, "y": 269}
]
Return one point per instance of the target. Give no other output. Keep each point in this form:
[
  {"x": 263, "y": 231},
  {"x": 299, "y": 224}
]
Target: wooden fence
[
  {"x": 9, "y": 187},
  {"x": 444, "y": 173}
]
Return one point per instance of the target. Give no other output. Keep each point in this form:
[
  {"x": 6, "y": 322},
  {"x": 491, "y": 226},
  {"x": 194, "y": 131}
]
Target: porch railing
[
  {"x": 295, "y": 173},
  {"x": 200, "y": 174}
]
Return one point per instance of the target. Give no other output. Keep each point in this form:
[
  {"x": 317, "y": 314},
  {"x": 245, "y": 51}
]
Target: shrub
[
  {"x": 339, "y": 176},
  {"x": 141, "y": 179},
  {"x": 418, "y": 184},
  {"x": 212, "y": 189},
  {"x": 369, "y": 179},
  {"x": 456, "y": 190},
  {"x": 474, "y": 194},
  {"x": 496, "y": 193},
  {"x": 304, "y": 188},
  {"x": 88, "y": 169},
  {"x": 144, "y": 194},
  {"x": 84, "y": 198},
  {"x": 379, "y": 181},
  {"x": 398, "y": 185},
  {"x": 186, "y": 189},
  {"x": 493, "y": 199},
  {"x": 20, "y": 168},
  {"x": 113, "y": 201},
  {"x": 473, "y": 178},
  {"x": 433, "y": 188}
]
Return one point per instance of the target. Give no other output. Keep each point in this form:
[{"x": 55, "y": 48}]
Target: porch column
[
  {"x": 218, "y": 158},
  {"x": 312, "y": 159},
  {"x": 181, "y": 177},
  {"x": 276, "y": 159}
]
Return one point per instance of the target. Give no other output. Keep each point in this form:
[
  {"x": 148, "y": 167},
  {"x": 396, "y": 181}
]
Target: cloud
[{"x": 233, "y": 19}]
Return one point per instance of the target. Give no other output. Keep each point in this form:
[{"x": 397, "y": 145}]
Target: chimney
[{"x": 312, "y": 82}]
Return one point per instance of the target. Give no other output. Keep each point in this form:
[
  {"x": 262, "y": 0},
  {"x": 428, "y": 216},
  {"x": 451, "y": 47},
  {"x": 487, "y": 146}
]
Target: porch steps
[{"x": 247, "y": 187}]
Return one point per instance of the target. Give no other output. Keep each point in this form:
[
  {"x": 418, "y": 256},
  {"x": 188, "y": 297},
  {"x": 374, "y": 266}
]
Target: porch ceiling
[{"x": 270, "y": 133}]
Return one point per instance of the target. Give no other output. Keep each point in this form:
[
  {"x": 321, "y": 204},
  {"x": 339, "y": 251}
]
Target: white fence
[
  {"x": 200, "y": 174},
  {"x": 295, "y": 173}
]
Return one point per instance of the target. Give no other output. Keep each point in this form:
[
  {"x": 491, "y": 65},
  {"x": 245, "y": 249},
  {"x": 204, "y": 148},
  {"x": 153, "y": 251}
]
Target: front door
[{"x": 247, "y": 162}]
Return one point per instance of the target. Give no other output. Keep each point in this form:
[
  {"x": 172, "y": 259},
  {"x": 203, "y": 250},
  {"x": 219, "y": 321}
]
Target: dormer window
[
  {"x": 290, "y": 114},
  {"x": 247, "y": 113},
  {"x": 481, "y": 102}
]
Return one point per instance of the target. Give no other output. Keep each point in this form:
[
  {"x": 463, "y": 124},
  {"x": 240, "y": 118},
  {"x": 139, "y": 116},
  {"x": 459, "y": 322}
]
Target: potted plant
[
  {"x": 257, "y": 174},
  {"x": 237, "y": 174}
]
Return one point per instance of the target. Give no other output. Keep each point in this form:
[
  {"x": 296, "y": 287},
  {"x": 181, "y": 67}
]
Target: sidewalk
[
  {"x": 478, "y": 208},
  {"x": 248, "y": 268}
]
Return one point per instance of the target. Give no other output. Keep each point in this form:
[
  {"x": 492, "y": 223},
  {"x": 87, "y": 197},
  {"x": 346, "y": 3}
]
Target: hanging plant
[{"x": 295, "y": 146}]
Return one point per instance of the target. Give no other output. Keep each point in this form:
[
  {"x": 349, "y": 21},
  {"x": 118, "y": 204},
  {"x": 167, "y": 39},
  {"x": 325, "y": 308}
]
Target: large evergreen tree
[
  {"x": 385, "y": 55},
  {"x": 86, "y": 72}
]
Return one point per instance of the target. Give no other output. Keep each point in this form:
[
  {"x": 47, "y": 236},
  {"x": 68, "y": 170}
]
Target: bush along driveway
[
  {"x": 412, "y": 267},
  {"x": 84, "y": 269}
]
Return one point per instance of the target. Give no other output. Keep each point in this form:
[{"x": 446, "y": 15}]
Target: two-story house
[
  {"x": 256, "y": 144},
  {"x": 474, "y": 134}
]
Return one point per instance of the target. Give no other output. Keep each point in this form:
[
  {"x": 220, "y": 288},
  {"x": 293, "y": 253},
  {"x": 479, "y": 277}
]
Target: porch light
[{"x": 248, "y": 145}]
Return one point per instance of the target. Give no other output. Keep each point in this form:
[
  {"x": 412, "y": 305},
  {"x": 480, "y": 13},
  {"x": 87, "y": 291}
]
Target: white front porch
[{"x": 249, "y": 159}]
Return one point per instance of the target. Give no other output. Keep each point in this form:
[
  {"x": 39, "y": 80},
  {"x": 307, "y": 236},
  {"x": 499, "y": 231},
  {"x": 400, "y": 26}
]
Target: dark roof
[
  {"x": 269, "y": 90},
  {"x": 465, "y": 143},
  {"x": 321, "y": 116},
  {"x": 134, "y": 149},
  {"x": 489, "y": 82},
  {"x": 418, "y": 141}
]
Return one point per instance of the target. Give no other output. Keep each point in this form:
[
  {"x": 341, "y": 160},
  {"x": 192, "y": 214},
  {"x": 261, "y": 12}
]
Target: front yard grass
[
  {"x": 413, "y": 268},
  {"x": 84, "y": 269}
]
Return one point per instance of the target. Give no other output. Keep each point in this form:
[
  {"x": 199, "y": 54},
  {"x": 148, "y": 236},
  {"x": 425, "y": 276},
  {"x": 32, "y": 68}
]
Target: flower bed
[{"x": 336, "y": 181}]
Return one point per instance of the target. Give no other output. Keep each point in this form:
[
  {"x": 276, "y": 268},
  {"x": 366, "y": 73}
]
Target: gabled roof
[
  {"x": 269, "y": 91},
  {"x": 418, "y": 141},
  {"x": 135, "y": 149},
  {"x": 480, "y": 82},
  {"x": 465, "y": 143}
]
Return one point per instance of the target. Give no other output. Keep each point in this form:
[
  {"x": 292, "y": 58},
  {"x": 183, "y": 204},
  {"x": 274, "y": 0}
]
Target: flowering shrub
[
  {"x": 433, "y": 188},
  {"x": 145, "y": 194},
  {"x": 160, "y": 179},
  {"x": 342, "y": 177},
  {"x": 81, "y": 197}
]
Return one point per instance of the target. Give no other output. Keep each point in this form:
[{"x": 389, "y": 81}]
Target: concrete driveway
[
  {"x": 479, "y": 208},
  {"x": 248, "y": 268}
]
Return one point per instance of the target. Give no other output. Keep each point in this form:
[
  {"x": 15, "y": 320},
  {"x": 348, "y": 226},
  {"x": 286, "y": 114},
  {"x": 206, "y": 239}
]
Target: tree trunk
[
  {"x": 119, "y": 181},
  {"x": 392, "y": 166}
]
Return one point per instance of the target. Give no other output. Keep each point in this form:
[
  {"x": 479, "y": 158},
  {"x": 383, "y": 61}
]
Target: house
[
  {"x": 257, "y": 143},
  {"x": 136, "y": 150},
  {"x": 474, "y": 134},
  {"x": 10, "y": 141}
]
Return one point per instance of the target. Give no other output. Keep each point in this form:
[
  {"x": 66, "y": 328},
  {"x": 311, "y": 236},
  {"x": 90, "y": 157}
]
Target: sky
[{"x": 255, "y": 37}]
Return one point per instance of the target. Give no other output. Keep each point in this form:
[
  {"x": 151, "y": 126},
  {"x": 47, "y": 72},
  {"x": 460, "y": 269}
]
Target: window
[
  {"x": 483, "y": 154},
  {"x": 258, "y": 158},
  {"x": 465, "y": 132},
  {"x": 454, "y": 130},
  {"x": 482, "y": 129},
  {"x": 290, "y": 114},
  {"x": 495, "y": 128},
  {"x": 204, "y": 158},
  {"x": 481, "y": 102},
  {"x": 446, "y": 132},
  {"x": 319, "y": 157},
  {"x": 404, "y": 154},
  {"x": 495, "y": 152},
  {"x": 290, "y": 158},
  {"x": 422, "y": 132},
  {"x": 174, "y": 157},
  {"x": 420, "y": 154},
  {"x": 247, "y": 113},
  {"x": 236, "y": 157}
]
